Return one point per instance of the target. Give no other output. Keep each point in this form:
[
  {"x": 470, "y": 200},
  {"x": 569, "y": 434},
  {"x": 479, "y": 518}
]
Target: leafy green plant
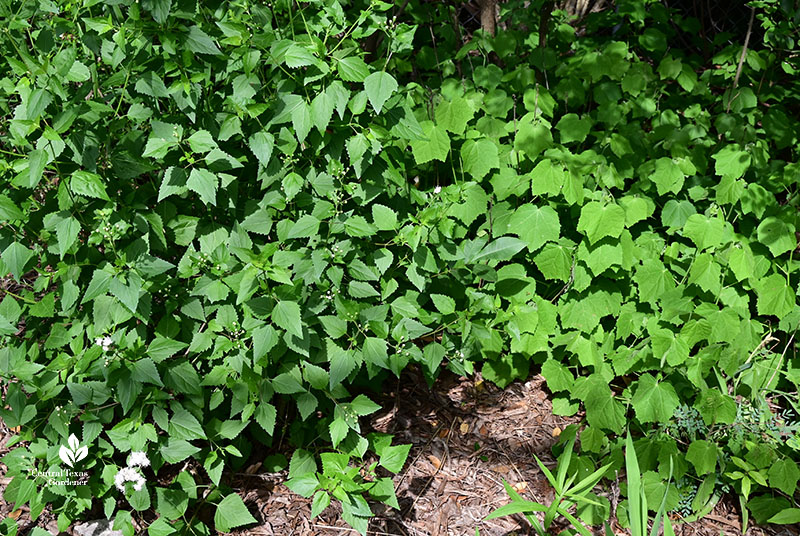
[
  {"x": 568, "y": 494},
  {"x": 224, "y": 224}
]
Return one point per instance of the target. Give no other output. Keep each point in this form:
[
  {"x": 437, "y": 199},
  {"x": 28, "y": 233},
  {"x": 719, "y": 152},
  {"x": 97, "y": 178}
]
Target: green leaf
[
  {"x": 705, "y": 232},
  {"x": 379, "y": 87},
  {"x": 777, "y": 235},
  {"x": 667, "y": 176},
  {"x": 702, "y": 455},
  {"x": 144, "y": 370},
  {"x": 9, "y": 211},
  {"x": 731, "y": 161},
  {"x": 547, "y": 178},
  {"x": 342, "y": 363},
  {"x": 787, "y": 516},
  {"x": 706, "y": 273},
  {"x": 444, "y": 304},
  {"x": 201, "y": 141},
  {"x": 184, "y": 425},
  {"x": 557, "y": 376},
  {"x": 362, "y": 405},
  {"x": 535, "y": 225},
  {"x": 66, "y": 234},
  {"x": 265, "y": 415},
  {"x": 602, "y": 410},
  {"x": 394, "y": 457},
  {"x": 16, "y": 257},
  {"x": 88, "y": 185},
  {"x": 479, "y": 156},
  {"x": 384, "y": 218},
  {"x": 321, "y": 501},
  {"x": 298, "y": 56},
  {"x": 205, "y": 184},
  {"x": 775, "y": 296},
  {"x": 435, "y": 145},
  {"x": 572, "y": 128},
  {"x": 160, "y": 10},
  {"x": 783, "y": 475},
  {"x": 598, "y": 220},
  {"x": 533, "y": 138},
  {"x": 307, "y": 226},
  {"x": 654, "y": 401},
  {"x": 453, "y": 115},
  {"x": 301, "y": 120},
  {"x": 200, "y": 42},
  {"x": 338, "y": 429},
  {"x": 352, "y": 69},
  {"x": 286, "y": 315},
  {"x": 501, "y": 249},
  {"x": 554, "y": 261},
  {"x": 231, "y": 513},
  {"x": 261, "y": 144}
]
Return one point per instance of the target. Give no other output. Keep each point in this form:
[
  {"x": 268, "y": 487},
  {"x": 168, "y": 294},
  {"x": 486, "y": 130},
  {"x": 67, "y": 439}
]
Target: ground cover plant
[{"x": 223, "y": 223}]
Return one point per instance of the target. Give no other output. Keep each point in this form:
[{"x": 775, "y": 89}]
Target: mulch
[{"x": 467, "y": 437}]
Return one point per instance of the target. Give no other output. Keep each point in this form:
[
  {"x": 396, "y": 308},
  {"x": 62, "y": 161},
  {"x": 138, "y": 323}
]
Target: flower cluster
[
  {"x": 131, "y": 473},
  {"x": 104, "y": 342},
  {"x": 128, "y": 474}
]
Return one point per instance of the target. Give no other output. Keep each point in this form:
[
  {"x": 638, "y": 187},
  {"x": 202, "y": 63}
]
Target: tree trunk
[{"x": 488, "y": 16}]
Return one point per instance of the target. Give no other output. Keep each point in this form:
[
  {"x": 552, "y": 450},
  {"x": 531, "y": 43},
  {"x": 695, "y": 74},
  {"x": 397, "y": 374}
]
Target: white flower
[
  {"x": 126, "y": 474},
  {"x": 437, "y": 189},
  {"x": 138, "y": 459},
  {"x": 104, "y": 342}
]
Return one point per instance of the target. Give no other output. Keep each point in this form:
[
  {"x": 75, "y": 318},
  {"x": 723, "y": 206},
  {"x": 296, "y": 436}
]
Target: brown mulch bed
[{"x": 467, "y": 436}]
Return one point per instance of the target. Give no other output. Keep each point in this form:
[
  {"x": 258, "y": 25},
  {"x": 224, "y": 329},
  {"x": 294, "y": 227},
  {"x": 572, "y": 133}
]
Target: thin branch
[{"x": 741, "y": 58}]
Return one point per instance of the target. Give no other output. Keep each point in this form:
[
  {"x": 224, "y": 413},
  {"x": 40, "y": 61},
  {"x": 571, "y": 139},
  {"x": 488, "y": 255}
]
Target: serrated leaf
[
  {"x": 184, "y": 425},
  {"x": 88, "y": 185},
  {"x": 144, "y": 370},
  {"x": 479, "y": 156},
  {"x": 204, "y": 183},
  {"x": 16, "y": 257},
  {"x": 298, "y": 56},
  {"x": 384, "y": 218},
  {"x": 535, "y": 225},
  {"x": 200, "y": 42},
  {"x": 305, "y": 227},
  {"x": 261, "y": 144},
  {"x": 702, "y": 455},
  {"x": 286, "y": 314},
  {"x": 231, "y": 513},
  {"x": 705, "y": 232},
  {"x": 394, "y": 457},
  {"x": 775, "y": 296},
  {"x": 322, "y": 111},
  {"x": 444, "y": 304},
  {"x": 352, "y": 69},
  {"x": 654, "y": 401},
  {"x": 301, "y": 120},
  {"x": 265, "y": 415},
  {"x": 599, "y": 220},
  {"x": 573, "y": 128},
  {"x": 201, "y": 141},
  {"x": 379, "y": 87}
]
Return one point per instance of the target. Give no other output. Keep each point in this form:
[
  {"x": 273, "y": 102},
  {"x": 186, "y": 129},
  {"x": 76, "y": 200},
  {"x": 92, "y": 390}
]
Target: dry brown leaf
[
  {"x": 436, "y": 462},
  {"x": 502, "y": 469},
  {"x": 15, "y": 514},
  {"x": 464, "y": 428},
  {"x": 444, "y": 432}
]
